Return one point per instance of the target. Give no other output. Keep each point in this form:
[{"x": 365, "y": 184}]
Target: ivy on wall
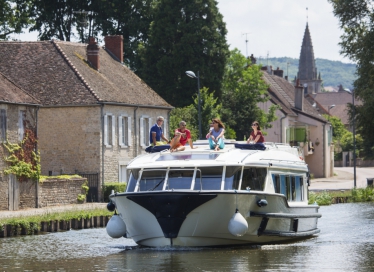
[{"x": 23, "y": 159}]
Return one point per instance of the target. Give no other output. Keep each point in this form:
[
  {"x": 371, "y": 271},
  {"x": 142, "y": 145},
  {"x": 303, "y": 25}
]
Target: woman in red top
[{"x": 256, "y": 134}]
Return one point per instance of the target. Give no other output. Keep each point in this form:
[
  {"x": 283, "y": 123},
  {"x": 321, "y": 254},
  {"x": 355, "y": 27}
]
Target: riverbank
[{"x": 53, "y": 219}]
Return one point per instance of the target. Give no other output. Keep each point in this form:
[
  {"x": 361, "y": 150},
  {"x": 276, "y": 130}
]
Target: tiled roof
[
  {"x": 57, "y": 73},
  {"x": 339, "y": 99},
  {"x": 284, "y": 91},
  {"x": 11, "y": 93},
  {"x": 113, "y": 82},
  {"x": 40, "y": 69}
]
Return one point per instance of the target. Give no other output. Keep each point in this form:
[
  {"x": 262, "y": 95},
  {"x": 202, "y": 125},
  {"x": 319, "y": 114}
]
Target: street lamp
[
  {"x": 354, "y": 138},
  {"x": 330, "y": 107},
  {"x": 192, "y": 75}
]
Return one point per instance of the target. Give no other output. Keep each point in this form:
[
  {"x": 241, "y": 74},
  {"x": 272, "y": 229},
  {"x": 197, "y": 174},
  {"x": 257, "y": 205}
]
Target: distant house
[
  {"x": 334, "y": 104},
  {"x": 95, "y": 113},
  {"x": 299, "y": 124},
  {"x": 18, "y": 112}
]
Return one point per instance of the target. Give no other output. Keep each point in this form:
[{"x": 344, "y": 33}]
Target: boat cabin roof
[{"x": 275, "y": 155}]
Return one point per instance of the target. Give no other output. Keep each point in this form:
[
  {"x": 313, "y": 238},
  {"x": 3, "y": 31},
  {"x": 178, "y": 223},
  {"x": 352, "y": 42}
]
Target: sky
[{"x": 275, "y": 28}]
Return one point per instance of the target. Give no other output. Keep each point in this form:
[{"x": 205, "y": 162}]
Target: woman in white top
[{"x": 217, "y": 135}]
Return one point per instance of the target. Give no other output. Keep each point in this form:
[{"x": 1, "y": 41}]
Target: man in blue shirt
[{"x": 156, "y": 134}]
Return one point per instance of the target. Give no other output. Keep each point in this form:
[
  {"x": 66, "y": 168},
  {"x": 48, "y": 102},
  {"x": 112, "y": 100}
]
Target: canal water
[{"x": 346, "y": 243}]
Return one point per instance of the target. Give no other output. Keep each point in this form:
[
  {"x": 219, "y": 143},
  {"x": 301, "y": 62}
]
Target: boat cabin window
[
  {"x": 152, "y": 180},
  {"x": 131, "y": 183},
  {"x": 179, "y": 179},
  {"x": 292, "y": 186},
  {"x": 211, "y": 178},
  {"x": 253, "y": 178},
  {"x": 232, "y": 177}
]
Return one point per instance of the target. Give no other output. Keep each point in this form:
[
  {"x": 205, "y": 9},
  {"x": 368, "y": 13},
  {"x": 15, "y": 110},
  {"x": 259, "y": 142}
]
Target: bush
[
  {"x": 363, "y": 194},
  {"x": 116, "y": 186},
  {"x": 321, "y": 199}
]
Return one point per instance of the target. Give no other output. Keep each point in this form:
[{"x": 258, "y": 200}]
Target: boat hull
[{"x": 193, "y": 218}]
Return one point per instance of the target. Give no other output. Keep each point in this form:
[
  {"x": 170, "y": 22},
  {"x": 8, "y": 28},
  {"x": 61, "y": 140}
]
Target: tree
[
  {"x": 55, "y": 18},
  {"x": 210, "y": 108},
  {"x": 357, "y": 42},
  {"x": 129, "y": 18},
  {"x": 243, "y": 89},
  {"x": 12, "y": 17},
  {"x": 184, "y": 35},
  {"x": 187, "y": 114},
  {"x": 338, "y": 128}
]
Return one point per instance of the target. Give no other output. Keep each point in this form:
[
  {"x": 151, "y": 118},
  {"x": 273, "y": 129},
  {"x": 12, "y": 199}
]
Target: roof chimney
[
  {"x": 114, "y": 44},
  {"x": 93, "y": 53},
  {"x": 299, "y": 96},
  {"x": 278, "y": 72}
]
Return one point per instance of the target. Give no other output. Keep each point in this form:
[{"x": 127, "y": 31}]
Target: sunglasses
[
  {"x": 214, "y": 122},
  {"x": 253, "y": 125},
  {"x": 183, "y": 125}
]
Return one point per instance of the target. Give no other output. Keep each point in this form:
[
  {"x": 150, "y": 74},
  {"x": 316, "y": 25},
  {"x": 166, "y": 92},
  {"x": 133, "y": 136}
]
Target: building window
[
  {"x": 21, "y": 125},
  {"x": 3, "y": 125},
  {"x": 124, "y": 131},
  {"x": 145, "y": 126},
  {"x": 109, "y": 129}
]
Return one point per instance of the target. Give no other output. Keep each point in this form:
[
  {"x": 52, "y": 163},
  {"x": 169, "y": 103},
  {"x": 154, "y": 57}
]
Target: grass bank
[
  {"x": 54, "y": 222},
  {"x": 346, "y": 196}
]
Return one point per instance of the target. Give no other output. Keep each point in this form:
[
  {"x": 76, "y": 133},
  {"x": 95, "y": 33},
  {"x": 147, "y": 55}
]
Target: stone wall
[
  {"x": 53, "y": 192},
  {"x": 359, "y": 163},
  {"x": 69, "y": 139},
  {"x": 116, "y": 156},
  {"x": 27, "y": 194}
]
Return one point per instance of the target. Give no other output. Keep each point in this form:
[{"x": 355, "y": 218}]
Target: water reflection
[{"x": 345, "y": 243}]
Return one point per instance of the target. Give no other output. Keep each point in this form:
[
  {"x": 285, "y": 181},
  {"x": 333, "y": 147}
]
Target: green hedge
[{"x": 116, "y": 186}]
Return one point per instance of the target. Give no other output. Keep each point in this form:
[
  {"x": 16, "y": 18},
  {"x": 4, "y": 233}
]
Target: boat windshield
[
  {"x": 152, "y": 180},
  {"x": 200, "y": 178}
]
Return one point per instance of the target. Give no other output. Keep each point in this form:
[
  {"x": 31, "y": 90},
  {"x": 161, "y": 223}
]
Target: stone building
[
  {"x": 307, "y": 74},
  {"x": 18, "y": 113},
  {"x": 95, "y": 113}
]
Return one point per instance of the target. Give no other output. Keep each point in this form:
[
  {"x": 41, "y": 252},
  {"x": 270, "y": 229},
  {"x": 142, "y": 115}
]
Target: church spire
[{"x": 307, "y": 65}]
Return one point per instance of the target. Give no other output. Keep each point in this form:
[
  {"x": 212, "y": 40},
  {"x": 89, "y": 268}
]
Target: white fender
[
  {"x": 116, "y": 228},
  {"x": 238, "y": 226}
]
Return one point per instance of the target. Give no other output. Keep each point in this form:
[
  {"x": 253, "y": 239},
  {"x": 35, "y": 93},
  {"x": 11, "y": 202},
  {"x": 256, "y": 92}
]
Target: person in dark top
[
  {"x": 256, "y": 134},
  {"x": 156, "y": 133}
]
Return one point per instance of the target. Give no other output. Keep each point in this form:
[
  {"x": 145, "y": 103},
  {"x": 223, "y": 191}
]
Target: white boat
[{"x": 201, "y": 197}]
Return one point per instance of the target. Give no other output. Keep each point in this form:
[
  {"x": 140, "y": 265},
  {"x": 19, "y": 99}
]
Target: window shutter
[
  {"x": 20, "y": 126},
  {"x": 142, "y": 136},
  {"x": 165, "y": 127},
  {"x": 149, "y": 128},
  {"x": 113, "y": 130},
  {"x": 129, "y": 131},
  {"x": 105, "y": 129},
  {"x": 120, "y": 130}
]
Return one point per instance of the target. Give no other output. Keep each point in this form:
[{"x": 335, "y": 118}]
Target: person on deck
[
  {"x": 181, "y": 137},
  {"x": 217, "y": 135},
  {"x": 156, "y": 133},
  {"x": 256, "y": 134}
]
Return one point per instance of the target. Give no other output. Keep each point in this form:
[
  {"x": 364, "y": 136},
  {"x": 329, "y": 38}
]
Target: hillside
[{"x": 333, "y": 73}]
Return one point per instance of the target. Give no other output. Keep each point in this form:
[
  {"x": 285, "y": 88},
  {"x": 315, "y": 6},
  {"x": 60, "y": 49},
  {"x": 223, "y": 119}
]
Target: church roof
[{"x": 307, "y": 64}]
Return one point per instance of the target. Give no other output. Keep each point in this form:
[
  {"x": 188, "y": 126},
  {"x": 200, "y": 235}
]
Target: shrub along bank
[
  {"x": 348, "y": 196},
  {"x": 54, "y": 222}
]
